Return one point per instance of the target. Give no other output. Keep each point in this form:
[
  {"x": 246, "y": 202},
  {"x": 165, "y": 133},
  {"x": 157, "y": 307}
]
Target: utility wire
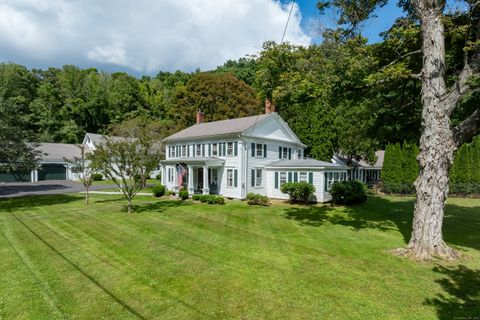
[{"x": 288, "y": 20}]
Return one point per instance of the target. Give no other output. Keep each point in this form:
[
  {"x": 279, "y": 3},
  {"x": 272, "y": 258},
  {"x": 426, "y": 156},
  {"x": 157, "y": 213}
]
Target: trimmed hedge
[
  {"x": 97, "y": 177},
  {"x": 348, "y": 192},
  {"x": 298, "y": 191},
  {"x": 255, "y": 199},
  {"x": 209, "y": 198},
  {"x": 183, "y": 194},
  {"x": 158, "y": 190}
]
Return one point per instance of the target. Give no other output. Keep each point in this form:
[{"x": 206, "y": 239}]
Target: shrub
[
  {"x": 183, "y": 194},
  {"x": 209, "y": 198},
  {"x": 298, "y": 191},
  {"x": 348, "y": 192},
  {"x": 158, "y": 177},
  {"x": 257, "y": 199},
  {"x": 97, "y": 177},
  {"x": 158, "y": 190}
]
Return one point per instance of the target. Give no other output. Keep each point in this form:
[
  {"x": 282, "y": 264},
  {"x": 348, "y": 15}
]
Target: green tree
[
  {"x": 82, "y": 167},
  {"x": 392, "y": 170}
]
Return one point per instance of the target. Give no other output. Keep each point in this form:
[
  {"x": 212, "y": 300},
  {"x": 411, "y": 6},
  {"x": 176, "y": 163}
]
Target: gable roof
[
  {"x": 58, "y": 151},
  {"x": 217, "y": 128},
  {"x": 100, "y": 138},
  {"x": 362, "y": 163}
]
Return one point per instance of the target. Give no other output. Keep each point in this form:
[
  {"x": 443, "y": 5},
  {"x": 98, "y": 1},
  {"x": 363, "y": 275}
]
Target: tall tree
[{"x": 439, "y": 139}]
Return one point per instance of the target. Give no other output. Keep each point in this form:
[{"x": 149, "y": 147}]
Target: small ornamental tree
[
  {"x": 127, "y": 162},
  {"x": 83, "y": 168}
]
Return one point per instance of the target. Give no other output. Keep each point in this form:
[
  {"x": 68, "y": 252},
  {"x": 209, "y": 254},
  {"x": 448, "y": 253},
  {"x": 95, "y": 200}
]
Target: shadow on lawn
[
  {"x": 13, "y": 204},
  {"x": 461, "y": 299},
  {"x": 158, "y": 206},
  {"x": 460, "y": 226}
]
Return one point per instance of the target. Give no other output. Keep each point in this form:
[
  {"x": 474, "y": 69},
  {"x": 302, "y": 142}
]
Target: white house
[{"x": 238, "y": 156}]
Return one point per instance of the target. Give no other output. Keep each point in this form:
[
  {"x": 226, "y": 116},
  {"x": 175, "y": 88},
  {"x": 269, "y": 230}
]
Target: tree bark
[
  {"x": 86, "y": 194},
  {"x": 437, "y": 143},
  {"x": 129, "y": 206}
]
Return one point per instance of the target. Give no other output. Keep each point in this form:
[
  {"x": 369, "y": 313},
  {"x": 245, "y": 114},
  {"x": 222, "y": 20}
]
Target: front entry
[
  {"x": 213, "y": 179},
  {"x": 199, "y": 186}
]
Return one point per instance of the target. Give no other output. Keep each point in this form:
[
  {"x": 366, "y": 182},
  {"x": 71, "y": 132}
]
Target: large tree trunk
[{"x": 437, "y": 144}]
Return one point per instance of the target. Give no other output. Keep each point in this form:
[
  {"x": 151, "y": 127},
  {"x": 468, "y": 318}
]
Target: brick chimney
[
  {"x": 200, "y": 116},
  {"x": 269, "y": 106}
]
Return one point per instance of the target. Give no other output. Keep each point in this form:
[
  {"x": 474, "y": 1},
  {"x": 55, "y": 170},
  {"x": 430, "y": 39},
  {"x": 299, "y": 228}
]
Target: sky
[{"x": 145, "y": 36}]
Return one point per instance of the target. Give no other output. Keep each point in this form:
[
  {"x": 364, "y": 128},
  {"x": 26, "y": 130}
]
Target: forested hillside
[{"x": 343, "y": 94}]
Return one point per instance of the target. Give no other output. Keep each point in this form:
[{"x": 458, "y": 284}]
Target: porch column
[
  {"x": 206, "y": 183},
  {"x": 191, "y": 189},
  {"x": 175, "y": 179},
  {"x": 163, "y": 173}
]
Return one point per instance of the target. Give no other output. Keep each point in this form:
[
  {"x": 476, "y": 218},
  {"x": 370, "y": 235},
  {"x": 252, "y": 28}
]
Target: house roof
[
  {"x": 304, "y": 163},
  {"x": 206, "y": 160},
  {"x": 99, "y": 138},
  {"x": 215, "y": 128},
  {"x": 58, "y": 151},
  {"x": 362, "y": 163}
]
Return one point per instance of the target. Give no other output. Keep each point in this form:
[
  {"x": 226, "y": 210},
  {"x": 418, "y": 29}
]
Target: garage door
[
  {"x": 52, "y": 172},
  {"x": 15, "y": 177}
]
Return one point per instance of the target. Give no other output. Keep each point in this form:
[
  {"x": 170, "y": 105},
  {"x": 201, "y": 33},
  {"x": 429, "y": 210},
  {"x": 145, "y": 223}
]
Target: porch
[{"x": 198, "y": 175}]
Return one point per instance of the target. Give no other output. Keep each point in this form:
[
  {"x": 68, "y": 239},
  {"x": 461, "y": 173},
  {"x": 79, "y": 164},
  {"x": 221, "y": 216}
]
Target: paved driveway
[{"x": 19, "y": 189}]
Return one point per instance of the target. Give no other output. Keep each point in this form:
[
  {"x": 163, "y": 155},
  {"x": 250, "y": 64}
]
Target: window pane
[
  {"x": 258, "y": 180},
  {"x": 283, "y": 178},
  {"x": 259, "y": 150},
  {"x": 198, "y": 150},
  {"x": 285, "y": 153},
  {"x": 229, "y": 148},
  {"x": 214, "y": 149},
  {"x": 303, "y": 177}
]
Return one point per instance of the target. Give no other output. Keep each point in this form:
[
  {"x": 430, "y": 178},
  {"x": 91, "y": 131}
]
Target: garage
[
  {"x": 52, "y": 171},
  {"x": 15, "y": 177}
]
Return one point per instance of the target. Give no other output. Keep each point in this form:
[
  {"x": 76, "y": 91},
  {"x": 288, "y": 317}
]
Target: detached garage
[
  {"x": 52, "y": 171},
  {"x": 51, "y": 166}
]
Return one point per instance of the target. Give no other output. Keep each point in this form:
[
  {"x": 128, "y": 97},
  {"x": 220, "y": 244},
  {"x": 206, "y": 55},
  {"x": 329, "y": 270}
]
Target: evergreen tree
[
  {"x": 410, "y": 170},
  {"x": 392, "y": 174}
]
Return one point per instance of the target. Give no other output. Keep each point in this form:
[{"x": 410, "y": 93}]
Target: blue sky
[
  {"x": 386, "y": 16},
  {"x": 144, "y": 36}
]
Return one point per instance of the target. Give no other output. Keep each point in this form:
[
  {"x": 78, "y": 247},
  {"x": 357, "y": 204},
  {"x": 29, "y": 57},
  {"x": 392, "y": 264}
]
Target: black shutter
[
  {"x": 235, "y": 149},
  {"x": 289, "y": 153},
  {"x": 209, "y": 149},
  {"x": 310, "y": 177},
  {"x": 253, "y": 149},
  {"x": 279, "y": 152},
  {"x": 289, "y": 176},
  {"x": 253, "y": 177},
  {"x": 295, "y": 177},
  {"x": 203, "y": 150},
  {"x": 219, "y": 147},
  {"x": 235, "y": 177},
  {"x": 264, "y": 150},
  {"x": 188, "y": 150},
  {"x": 325, "y": 181},
  {"x": 276, "y": 180}
]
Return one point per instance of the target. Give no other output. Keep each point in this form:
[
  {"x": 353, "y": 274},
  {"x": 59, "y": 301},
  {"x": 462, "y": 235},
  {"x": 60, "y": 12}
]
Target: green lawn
[{"x": 183, "y": 260}]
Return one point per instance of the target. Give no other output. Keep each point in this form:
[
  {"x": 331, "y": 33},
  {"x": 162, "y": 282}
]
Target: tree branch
[
  {"x": 469, "y": 128},
  {"x": 401, "y": 58},
  {"x": 458, "y": 89}
]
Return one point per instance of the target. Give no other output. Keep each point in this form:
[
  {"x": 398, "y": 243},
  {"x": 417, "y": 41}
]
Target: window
[
  {"x": 283, "y": 178},
  {"x": 328, "y": 180},
  {"x": 229, "y": 177},
  {"x": 299, "y": 154},
  {"x": 258, "y": 177},
  {"x": 173, "y": 151},
  {"x": 215, "y": 149},
  {"x": 170, "y": 175},
  {"x": 229, "y": 149},
  {"x": 284, "y": 153},
  {"x": 184, "y": 151},
  {"x": 198, "y": 150},
  {"x": 303, "y": 177},
  {"x": 259, "y": 150}
]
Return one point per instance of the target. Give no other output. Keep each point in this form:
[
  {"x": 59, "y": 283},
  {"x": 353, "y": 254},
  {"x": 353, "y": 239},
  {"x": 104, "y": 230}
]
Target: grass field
[{"x": 183, "y": 260}]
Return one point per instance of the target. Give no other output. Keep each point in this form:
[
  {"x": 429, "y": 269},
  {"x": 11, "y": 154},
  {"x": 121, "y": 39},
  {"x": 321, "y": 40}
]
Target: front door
[
  {"x": 199, "y": 179},
  {"x": 213, "y": 180}
]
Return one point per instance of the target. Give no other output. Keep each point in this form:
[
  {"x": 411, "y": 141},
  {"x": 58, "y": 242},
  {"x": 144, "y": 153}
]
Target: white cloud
[{"x": 142, "y": 35}]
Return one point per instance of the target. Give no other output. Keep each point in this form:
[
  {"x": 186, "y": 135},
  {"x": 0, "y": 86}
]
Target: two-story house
[{"x": 237, "y": 156}]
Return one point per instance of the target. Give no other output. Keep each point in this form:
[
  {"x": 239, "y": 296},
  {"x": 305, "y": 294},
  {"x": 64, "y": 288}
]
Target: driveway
[{"x": 20, "y": 189}]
